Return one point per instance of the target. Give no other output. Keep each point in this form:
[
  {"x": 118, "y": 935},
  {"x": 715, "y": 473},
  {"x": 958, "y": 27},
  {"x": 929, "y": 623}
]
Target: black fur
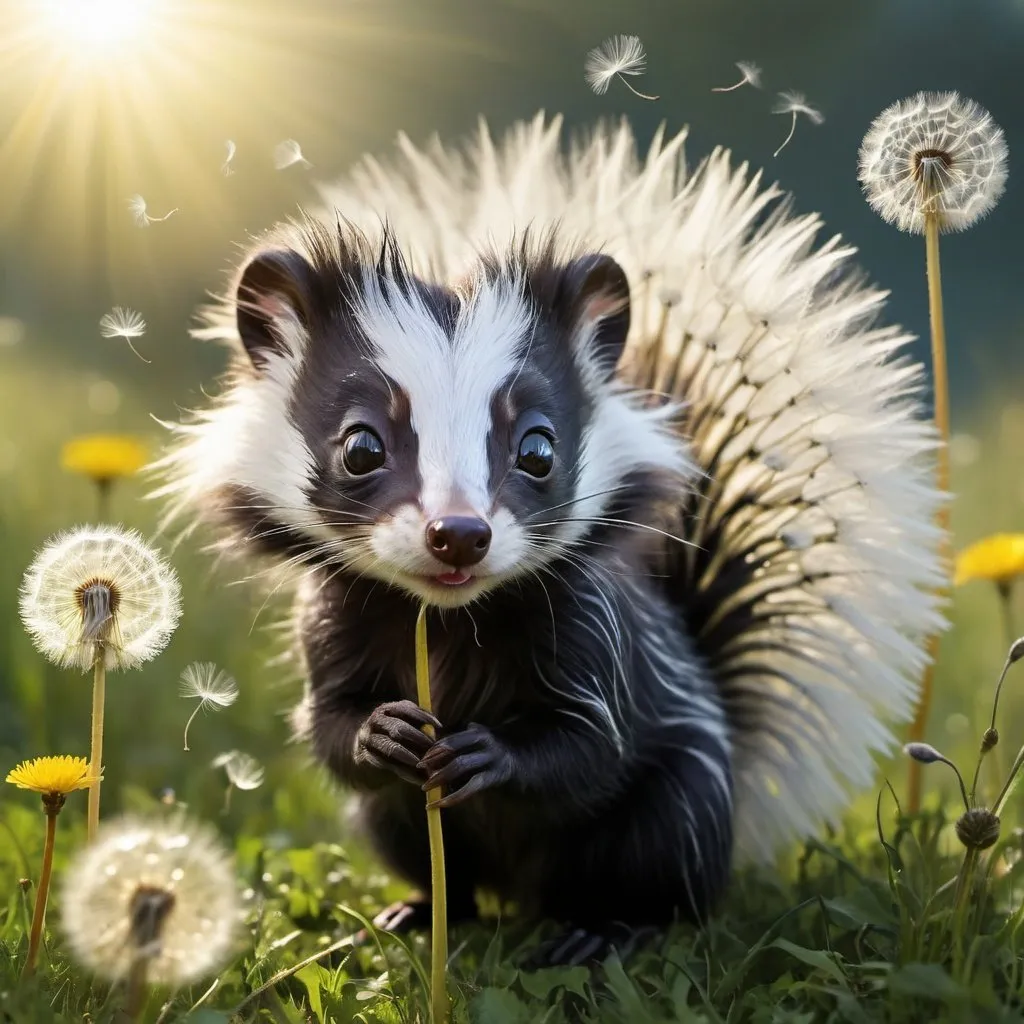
[{"x": 582, "y": 743}]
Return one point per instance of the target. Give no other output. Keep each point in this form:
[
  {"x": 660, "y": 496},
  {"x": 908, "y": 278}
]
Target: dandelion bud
[
  {"x": 978, "y": 828},
  {"x": 1016, "y": 650},
  {"x": 989, "y": 739},
  {"x": 924, "y": 752},
  {"x": 24, "y": 884}
]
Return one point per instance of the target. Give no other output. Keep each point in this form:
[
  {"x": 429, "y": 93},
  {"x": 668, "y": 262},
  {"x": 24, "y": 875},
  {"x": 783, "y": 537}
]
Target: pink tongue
[{"x": 453, "y": 578}]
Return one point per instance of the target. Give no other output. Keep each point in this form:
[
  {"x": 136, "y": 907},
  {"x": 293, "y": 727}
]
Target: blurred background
[{"x": 103, "y": 101}]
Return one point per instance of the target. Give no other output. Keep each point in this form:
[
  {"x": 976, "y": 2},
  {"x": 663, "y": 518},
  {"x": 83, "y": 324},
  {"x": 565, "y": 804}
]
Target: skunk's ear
[
  {"x": 597, "y": 293},
  {"x": 273, "y": 294}
]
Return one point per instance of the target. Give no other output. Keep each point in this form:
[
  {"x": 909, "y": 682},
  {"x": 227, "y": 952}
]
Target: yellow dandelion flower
[
  {"x": 103, "y": 457},
  {"x": 63, "y": 774},
  {"x": 999, "y": 558}
]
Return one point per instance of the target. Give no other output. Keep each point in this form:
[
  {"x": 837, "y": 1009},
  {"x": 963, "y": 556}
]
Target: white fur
[{"x": 725, "y": 297}]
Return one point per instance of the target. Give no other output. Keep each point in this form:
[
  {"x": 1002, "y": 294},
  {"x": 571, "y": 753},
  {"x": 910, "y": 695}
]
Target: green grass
[{"x": 848, "y": 928}]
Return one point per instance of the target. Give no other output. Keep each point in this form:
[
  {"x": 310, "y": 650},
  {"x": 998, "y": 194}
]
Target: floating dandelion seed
[
  {"x": 620, "y": 55},
  {"x": 932, "y": 163},
  {"x": 159, "y": 895},
  {"x": 287, "y": 153},
  {"x": 795, "y": 103},
  {"x": 52, "y": 778},
  {"x": 226, "y": 169},
  {"x": 137, "y": 206},
  {"x": 751, "y": 75},
  {"x": 122, "y": 322},
  {"x": 243, "y": 772},
  {"x": 211, "y": 686},
  {"x": 933, "y": 153},
  {"x": 99, "y": 598}
]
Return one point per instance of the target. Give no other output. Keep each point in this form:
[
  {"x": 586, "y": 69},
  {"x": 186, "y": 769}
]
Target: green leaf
[
  {"x": 817, "y": 958},
  {"x": 499, "y": 1006},
  {"x": 313, "y": 976},
  {"x": 926, "y": 981},
  {"x": 540, "y": 984},
  {"x": 863, "y": 907},
  {"x": 625, "y": 991}
]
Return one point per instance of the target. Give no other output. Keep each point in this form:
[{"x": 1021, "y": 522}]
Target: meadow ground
[{"x": 850, "y": 929}]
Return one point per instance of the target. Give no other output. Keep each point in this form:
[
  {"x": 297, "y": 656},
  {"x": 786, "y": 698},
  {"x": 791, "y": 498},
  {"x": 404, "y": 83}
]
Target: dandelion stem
[
  {"x": 136, "y": 997},
  {"x": 636, "y": 92},
  {"x": 941, "y": 386},
  {"x": 53, "y": 807},
  {"x": 438, "y": 896},
  {"x": 962, "y": 899},
  {"x": 103, "y": 485},
  {"x": 792, "y": 128},
  {"x": 1005, "y": 588},
  {"x": 99, "y": 685}
]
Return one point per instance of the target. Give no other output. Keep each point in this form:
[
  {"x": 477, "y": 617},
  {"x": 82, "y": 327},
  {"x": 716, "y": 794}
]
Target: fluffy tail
[{"x": 814, "y": 550}]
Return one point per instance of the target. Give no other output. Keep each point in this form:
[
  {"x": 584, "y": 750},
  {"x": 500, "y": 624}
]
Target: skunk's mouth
[{"x": 455, "y": 578}]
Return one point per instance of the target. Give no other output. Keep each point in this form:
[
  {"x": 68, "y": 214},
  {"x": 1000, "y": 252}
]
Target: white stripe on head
[{"x": 450, "y": 382}]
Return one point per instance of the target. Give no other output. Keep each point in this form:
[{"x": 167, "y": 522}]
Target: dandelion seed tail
[
  {"x": 941, "y": 386},
  {"x": 42, "y": 892},
  {"x": 729, "y": 88},
  {"x": 438, "y": 895},
  {"x": 199, "y": 707},
  {"x": 227, "y": 798},
  {"x": 134, "y": 349},
  {"x": 636, "y": 92},
  {"x": 792, "y": 128}
]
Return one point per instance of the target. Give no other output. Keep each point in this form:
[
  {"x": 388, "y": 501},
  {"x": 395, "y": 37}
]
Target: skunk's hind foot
[{"x": 586, "y": 946}]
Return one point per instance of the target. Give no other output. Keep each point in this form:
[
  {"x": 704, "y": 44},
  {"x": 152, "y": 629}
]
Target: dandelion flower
[
  {"x": 999, "y": 558},
  {"x": 210, "y": 686},
  {"x": 52, "y": 778},
  {"x": 620, "y": 55},
  {"x": 750, "y": 75},
  {"x": 934, "y": 162},
  {"x": 100, "y": 598},
  {"x": 795, "y": 103},
  {"x": 139, "y": 211},
  {"x": 158, "y": 893},
  {"x": 934, "y": 152},
  {"x": 287, "y": 153},
  {"x": 52, "y": 775},
  {"x": 103, "y": 458},
  {"x": 100, "y": 587},
  {"x": 226, "y": 169}
]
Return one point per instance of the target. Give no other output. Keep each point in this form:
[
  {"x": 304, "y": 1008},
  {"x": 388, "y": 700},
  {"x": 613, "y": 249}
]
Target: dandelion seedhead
[
  {"x": 99, "y": 587},
  {"x": 160, "y": 891},
  {"x": 795, "y": 103},
  {"x": 936, "y": 152},
  {"x": 750, "y": 75},
  {"x": 226, "y": 169},
  {"x": 139, "y": 211},
  {"x": 210, "y": 686},
  {"x": 287, "y": 153},
  {"x": 617, "y": 56}
]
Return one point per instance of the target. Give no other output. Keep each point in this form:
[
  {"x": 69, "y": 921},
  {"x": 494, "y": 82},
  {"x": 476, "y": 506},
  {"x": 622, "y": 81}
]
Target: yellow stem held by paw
[
  {"x": 941, "y": 385},
  {"x": 438, "y": 899}
]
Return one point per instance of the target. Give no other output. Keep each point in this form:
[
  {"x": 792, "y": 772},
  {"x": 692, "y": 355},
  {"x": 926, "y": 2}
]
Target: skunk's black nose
[{"x": 458, "y": 541}]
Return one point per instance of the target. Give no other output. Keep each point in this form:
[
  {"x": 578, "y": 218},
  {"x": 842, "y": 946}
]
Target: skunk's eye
[
  {"x": 536, "y": 453},
  {"x": 362, "y": 451}
]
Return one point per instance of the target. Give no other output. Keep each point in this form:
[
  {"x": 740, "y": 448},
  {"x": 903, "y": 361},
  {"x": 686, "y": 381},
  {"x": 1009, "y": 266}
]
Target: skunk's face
[{"x": 443, "y": 442}]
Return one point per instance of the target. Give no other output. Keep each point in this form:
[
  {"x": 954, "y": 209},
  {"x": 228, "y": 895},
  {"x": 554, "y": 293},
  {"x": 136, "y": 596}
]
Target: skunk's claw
[
  {"x": 583, "y": 946},
  {"x": 392, "y": 739},
  {"x": 466, "y": 762}
]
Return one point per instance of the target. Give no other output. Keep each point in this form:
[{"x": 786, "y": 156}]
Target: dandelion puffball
[
  {"x": 933, "y": 153},
  {"x": 160, "y": 890},
  {"x": 100, "y": 586}
]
